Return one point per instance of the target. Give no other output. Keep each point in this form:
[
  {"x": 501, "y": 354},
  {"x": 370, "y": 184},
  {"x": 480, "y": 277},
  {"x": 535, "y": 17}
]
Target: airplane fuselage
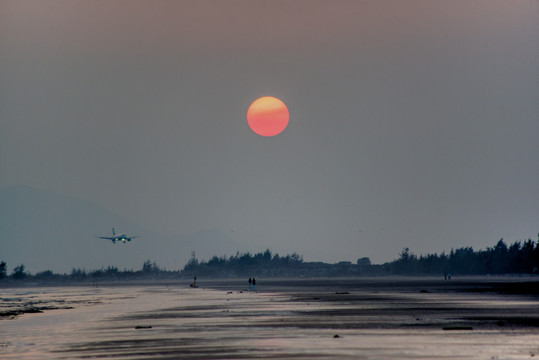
[{"x": 114, "y": 238}]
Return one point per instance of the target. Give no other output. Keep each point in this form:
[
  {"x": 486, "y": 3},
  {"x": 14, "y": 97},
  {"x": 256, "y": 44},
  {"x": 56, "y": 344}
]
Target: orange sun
[{"x": 268, "y": 116}]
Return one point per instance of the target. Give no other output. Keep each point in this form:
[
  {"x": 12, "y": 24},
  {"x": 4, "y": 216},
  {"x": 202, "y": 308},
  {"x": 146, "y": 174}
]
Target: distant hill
[{"x": 47, "y": 230}]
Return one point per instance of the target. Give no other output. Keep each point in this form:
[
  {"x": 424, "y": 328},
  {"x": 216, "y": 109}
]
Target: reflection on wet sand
[{"x": 299, "y": 319}]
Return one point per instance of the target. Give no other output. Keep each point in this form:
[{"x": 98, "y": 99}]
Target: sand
[{"x": 359, "y": 318}]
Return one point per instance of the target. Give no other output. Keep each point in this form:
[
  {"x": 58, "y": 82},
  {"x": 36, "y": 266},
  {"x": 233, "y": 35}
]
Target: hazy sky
[{"x": 412, "y": 123}]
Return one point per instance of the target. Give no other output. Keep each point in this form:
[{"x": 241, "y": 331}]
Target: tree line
[
  {"x": 149, "y": 270},
  {"x": 261, "y": 264},
  {"x": 516, "y": 258}
]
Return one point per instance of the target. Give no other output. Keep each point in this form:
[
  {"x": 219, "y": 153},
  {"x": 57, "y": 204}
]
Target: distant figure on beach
[
  {"x": 254, "y": 284},
  {"x": 250, "y": 283},
  {"x": 448, "y": 276},
  {"x": 445, "y": 275},
  {"x": 194, "y": 284}
]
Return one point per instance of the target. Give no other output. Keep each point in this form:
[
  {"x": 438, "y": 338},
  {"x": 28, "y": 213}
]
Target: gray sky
[{"x": 412, "y": 123}]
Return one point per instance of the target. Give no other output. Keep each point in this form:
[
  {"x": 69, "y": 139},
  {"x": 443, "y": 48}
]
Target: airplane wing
[{"x": 104, "y": 237}]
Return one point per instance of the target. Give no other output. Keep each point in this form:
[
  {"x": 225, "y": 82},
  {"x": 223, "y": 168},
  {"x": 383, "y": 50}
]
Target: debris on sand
[
  {"x": 143, "y": 327},
  {"x": 457, "y": 328},
  {"x": 13, "y": 313},
  {"x": 30, "y": 310}
]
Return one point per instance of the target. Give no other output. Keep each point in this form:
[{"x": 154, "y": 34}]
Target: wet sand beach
[{"x": 359, "y": 318}]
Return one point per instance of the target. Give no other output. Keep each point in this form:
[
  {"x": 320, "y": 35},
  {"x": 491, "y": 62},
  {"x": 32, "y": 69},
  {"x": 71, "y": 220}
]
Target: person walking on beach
[
  {"x": 250, "y": 283},
  {"x": 254, "y": 284}
]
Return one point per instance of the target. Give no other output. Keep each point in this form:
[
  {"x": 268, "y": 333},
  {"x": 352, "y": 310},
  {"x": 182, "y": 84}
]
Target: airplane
[{"x": 122, "y": 238}]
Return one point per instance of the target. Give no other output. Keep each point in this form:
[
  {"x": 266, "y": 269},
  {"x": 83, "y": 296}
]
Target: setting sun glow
[{"x": 268, "y": 116}]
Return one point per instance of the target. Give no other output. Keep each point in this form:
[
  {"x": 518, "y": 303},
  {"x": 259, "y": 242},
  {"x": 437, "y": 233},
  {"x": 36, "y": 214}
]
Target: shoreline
[{"x": 503, "y": 285}]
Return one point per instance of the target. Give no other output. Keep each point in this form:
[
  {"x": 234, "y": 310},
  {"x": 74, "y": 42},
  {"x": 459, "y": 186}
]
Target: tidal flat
[{"x": 331, "y": 318}]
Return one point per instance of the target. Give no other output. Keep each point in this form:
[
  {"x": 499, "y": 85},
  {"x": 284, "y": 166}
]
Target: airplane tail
[{"x": 113, "y": 232}]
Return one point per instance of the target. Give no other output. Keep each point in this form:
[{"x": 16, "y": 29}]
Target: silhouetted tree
[
  {"x": 500, "y": 258},
  {"x": 364, "y": 261},
  {"x": 18, "y": 273},
  {"x": 3, "y": 270},
  {"x": 462, "y": 261},
  {"x": 44, "y": 275},
  {"x": 149, "y": 267},
  {"x": 78, "y": 273}
]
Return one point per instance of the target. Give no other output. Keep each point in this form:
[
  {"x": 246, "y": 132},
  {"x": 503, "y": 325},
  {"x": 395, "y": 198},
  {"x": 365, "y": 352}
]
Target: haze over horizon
[{"x": 412, "y": 124}]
